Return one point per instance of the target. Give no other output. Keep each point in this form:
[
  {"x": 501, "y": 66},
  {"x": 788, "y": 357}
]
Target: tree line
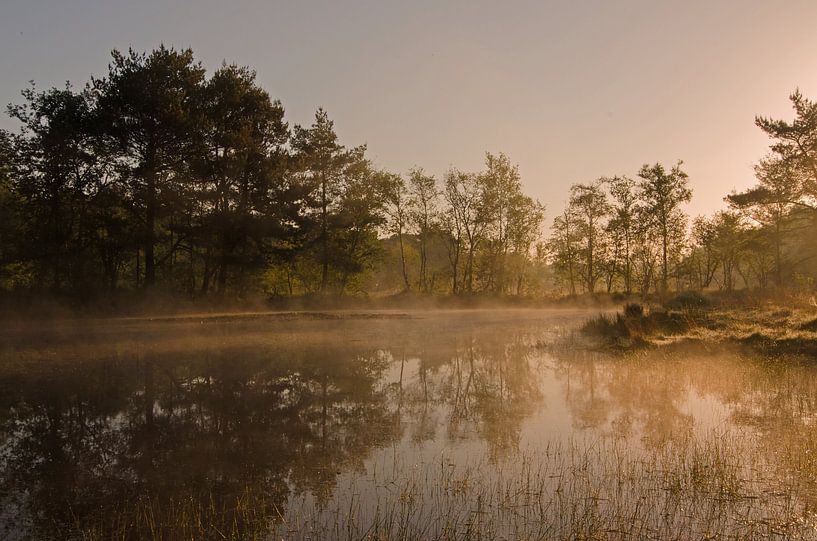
[
  {"x": 160, "y": 177},
  {"x": 632, "y": 235}
]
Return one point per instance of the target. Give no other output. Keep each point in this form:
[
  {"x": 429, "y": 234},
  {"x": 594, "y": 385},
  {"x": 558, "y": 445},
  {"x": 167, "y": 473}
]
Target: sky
[{"x": 569, "y": 90}]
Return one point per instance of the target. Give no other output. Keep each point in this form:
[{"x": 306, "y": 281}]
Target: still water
[{"x": 461, "y": 424}]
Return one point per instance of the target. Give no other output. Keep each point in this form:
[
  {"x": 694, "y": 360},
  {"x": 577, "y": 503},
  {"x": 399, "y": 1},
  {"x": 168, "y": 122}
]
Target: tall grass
[{"x": 718, "y": 487}]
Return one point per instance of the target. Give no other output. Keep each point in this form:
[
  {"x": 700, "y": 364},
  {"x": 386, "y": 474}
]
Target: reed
[{"x": 715, "y": 487}]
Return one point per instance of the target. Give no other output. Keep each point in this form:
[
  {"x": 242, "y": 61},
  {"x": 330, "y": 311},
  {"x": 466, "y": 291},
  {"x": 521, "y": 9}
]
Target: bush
[
  {"x": 688, "y": 299},
  {"x": 604, "y": 326},
  {"x": 669, "y": 323},
  {"x": 633, "y": 310}
]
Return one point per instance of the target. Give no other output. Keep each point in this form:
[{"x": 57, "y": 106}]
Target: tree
[
  {"x": 324, "y": 167},
  {"x": 10, "y": 212},
  {"x": 796, "y": 143},
  {"x": 646, "y": 252},
  {"x": 470, "y": 216},
  {"x": 525, "y": 216},
  {"x": 241, "y": 171},
  {"x": 622, "y": 225},
  {"x": 662, "y": 193},
  {"x": 703, "y": 259},
  {"x": 58, "y": 170},
  {"x": 564, "y": 246},
  {"x": 159, "y": 174},
  {"x": 770, "y": 202},
  {"x": 590, "y": 208},
  {"x": 361, "y": 212},
  {"x": 502, "y": 186},
  {"x": 728, "y": 245},
  {"x": 399, "y": 209},
  {"x": 423, "y": 214},
  {"x": 148, "y": 106},
  {"x": 794, "y": 150}
]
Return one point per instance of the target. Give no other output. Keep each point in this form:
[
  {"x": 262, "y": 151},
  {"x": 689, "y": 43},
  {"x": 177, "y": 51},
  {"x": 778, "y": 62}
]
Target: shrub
[
  {"x": 633, "y": 310},
  {"x": 607, "y": 327},
  {"x": 688, "y": 299}
]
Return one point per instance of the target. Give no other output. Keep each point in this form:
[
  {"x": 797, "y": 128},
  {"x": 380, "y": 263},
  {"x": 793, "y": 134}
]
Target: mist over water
[{"x": 327, "y": 423}]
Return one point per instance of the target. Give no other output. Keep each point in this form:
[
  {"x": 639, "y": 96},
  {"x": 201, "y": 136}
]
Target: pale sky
[{"x": 569, "y": 90}]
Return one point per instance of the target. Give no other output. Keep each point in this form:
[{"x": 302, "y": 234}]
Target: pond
[{"x": 444, "y": 424}]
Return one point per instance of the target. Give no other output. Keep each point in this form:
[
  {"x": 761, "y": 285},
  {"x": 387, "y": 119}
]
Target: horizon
[{"x": 478, "y": 78}]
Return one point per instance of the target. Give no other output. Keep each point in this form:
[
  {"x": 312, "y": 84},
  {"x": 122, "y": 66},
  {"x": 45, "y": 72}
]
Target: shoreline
[
  {"x": 781, "y": 326},
  {"x": 146, "y": 308}
]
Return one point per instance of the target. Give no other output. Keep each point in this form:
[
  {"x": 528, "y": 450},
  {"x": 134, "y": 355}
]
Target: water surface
[{"x": 292, "y": 422}]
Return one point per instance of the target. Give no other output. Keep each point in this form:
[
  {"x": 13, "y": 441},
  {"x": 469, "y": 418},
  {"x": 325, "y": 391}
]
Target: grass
[
  {"x": 634, "y": 328},
  {"x": 711, "y": 488},
  {"x": 152, "y": 517},
  {"x": 772, "y": 325}
]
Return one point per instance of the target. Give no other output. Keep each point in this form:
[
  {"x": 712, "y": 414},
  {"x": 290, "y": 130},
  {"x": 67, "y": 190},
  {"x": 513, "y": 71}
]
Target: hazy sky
[{"x": 569, "y": 90}]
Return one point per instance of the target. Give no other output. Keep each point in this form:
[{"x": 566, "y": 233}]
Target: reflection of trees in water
[
  {"x": 83, "y": 441},
  {"x": 586, "y": 402},
  {"x": 779, "y": 402},
  {"x": 480, "y": 383},
  {"x": 776, "y": 400},
  {"x": 87, "y": 440},
  {"x": 648, "y": 395},
  {"x": 91, "y": 441},
  {"x": 624, "y": 396}
]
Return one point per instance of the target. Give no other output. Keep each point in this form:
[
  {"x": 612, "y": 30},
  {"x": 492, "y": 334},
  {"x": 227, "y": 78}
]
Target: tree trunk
[
  {"x": 324, "y": 239},
  {"x": 150, "y": 226},
  {"x": 205, "y": 281},
  {"x": 403, "y": 258},
  {"x": 138, "y": 266},
  {"x": 591, "y": 282},
  {"x": 423, "y": 270},
  {"x": 470, "y": 270},
  {"x": 222, "y": 265},
  {"x": 628, "y": 287},
  {"x": 664, "y": 270},
  {"x": 571, "y": 275},
  {"x": 777, "y": 256}
]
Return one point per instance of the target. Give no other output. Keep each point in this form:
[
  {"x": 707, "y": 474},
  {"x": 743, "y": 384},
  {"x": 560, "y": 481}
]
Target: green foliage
[
  {"x": 157, "y": 176},
  {"x": 662, "y": 193},
  {"x": 765, "y": 239},
  {"x": 160, "y": 176}
]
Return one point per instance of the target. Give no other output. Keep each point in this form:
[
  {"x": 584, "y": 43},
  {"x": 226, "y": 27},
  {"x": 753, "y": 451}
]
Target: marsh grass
[
  {"x": 716, "y": 487},
  {"x": 248, "y": 516},
  {"x": 774, "y": 325},
  {"x": 635, "y": 328}
]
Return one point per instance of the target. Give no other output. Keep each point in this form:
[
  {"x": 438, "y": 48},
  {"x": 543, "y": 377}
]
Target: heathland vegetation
[{"x": 159, "y": 179}]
